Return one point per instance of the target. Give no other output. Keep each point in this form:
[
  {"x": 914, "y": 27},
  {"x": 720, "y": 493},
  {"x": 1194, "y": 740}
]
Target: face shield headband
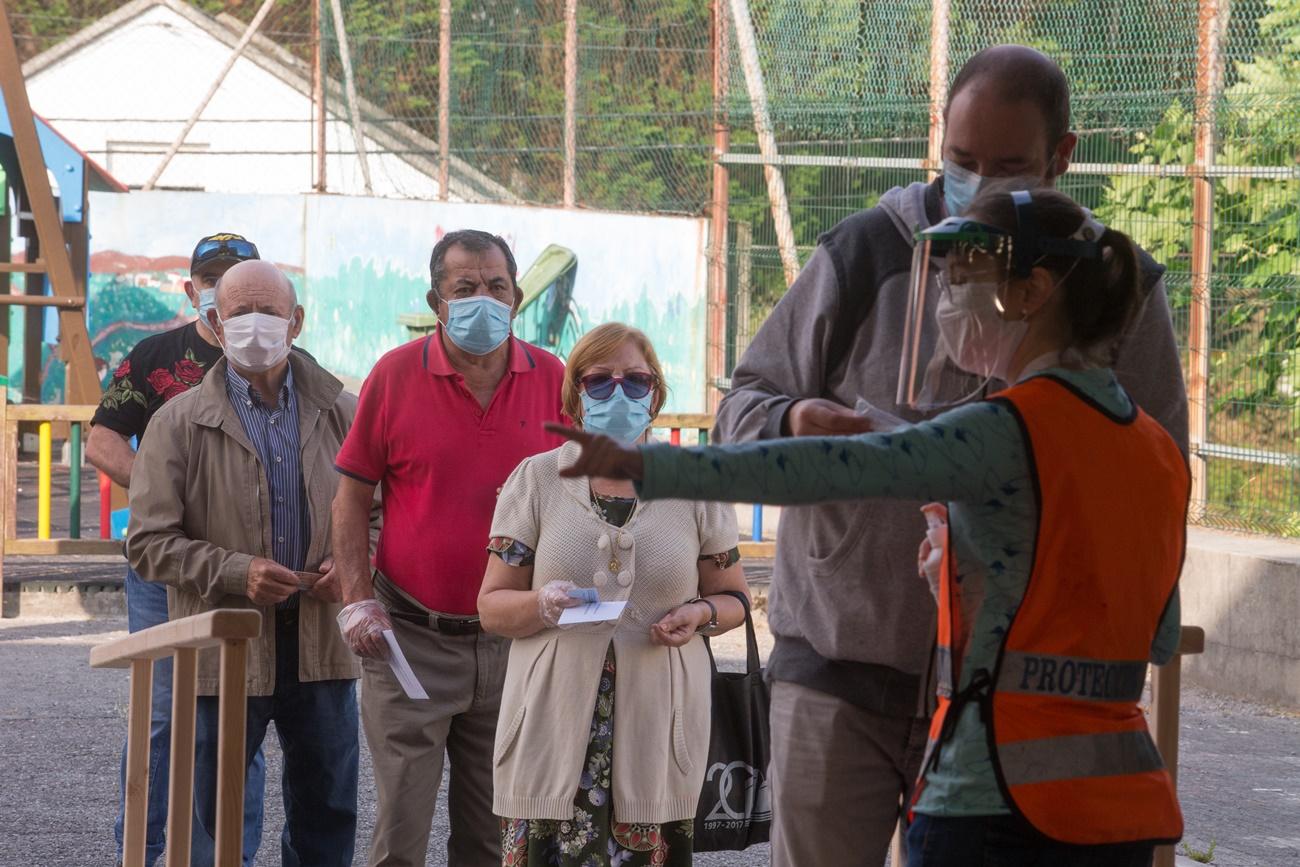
[{"x": 955, "y": 339}]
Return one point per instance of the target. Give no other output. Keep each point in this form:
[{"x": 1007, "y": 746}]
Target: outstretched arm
[{"x": 939, "y": 459}]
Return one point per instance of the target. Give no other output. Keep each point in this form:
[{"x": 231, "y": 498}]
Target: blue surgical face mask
[
  {"x": 961, "y": 186},
  {"x": 618, "y": 416},
  {"x": 478, "y": 325},
  {"x": 207, "y": 301}
]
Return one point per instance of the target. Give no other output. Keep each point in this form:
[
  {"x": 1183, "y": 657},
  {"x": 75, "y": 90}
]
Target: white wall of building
[{"x": 125, "y": 96}]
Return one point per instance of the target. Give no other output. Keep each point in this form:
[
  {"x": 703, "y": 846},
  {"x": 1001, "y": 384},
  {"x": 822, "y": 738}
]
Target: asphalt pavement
[{"x": 62, "y": 723}]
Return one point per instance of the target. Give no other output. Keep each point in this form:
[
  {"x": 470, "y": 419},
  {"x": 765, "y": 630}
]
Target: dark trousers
[
  {"x": 1005, "y": 841},
  {"x": 317, "y": 727}
]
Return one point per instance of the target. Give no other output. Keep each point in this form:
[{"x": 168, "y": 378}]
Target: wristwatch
[{"x": 713, "y": 615}]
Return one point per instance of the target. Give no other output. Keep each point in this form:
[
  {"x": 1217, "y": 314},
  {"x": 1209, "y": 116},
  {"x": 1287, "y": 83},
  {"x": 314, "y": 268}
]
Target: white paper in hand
[
  {"x": 592, "y": 612},
  {"x": 402, "y": 669},
  {"x": 881, "y": 421}
]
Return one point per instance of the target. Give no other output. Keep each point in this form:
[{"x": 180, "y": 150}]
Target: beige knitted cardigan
[{"x": 662, "y": 696}]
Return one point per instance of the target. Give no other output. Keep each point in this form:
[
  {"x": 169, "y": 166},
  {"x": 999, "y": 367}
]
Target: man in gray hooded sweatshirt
[{"x": 854, "y": 625}]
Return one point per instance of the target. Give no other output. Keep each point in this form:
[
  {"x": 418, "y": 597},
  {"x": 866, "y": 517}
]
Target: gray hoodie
[{"x": 849, "y": 614}]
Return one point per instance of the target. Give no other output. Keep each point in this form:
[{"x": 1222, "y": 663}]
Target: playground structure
[{"x": 57, "y": 236}]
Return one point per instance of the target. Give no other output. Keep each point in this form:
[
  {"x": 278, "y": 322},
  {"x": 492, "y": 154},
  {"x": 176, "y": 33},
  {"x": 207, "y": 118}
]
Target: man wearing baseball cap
[{"x": 157, "y": 369}]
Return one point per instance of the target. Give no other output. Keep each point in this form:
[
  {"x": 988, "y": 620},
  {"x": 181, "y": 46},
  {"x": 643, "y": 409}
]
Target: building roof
[{"x": 411, "y": 146}]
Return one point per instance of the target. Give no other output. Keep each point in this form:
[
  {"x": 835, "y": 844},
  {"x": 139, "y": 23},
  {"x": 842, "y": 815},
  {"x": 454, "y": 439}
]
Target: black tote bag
[{"x": 735, "y": 809}]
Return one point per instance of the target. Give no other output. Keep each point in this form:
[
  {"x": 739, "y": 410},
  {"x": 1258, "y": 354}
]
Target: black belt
[{"x": 438, "y": 623}]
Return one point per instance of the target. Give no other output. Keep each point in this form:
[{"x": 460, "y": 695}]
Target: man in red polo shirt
[{"x": 442, "y": 423}]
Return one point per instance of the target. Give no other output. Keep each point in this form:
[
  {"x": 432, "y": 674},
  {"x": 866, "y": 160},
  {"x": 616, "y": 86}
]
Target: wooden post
[
  {"x": 135, "y": 819},
  {"x": 444, "y": 99},
  {"x": 350, "y": 89},
  {"x": 718, "y": 208},
  {"x": 570, "y": 102},
  {"x": 74, "y": 341},
  {"x": 232, "y": 761},
  {"x": 6, "y": 282},
  {"x": 744, "y": 285},
  {"x": 180, "y": 797},
  {"x": 747, "y": 42},
  {"x": 33, "y": 328},
  {"x": 318, "y": 97},
  {"x": 1166, "y": 697},
  {"x": 1208, "y": 85},
  {"x": 235, "y": 54},
  {"x": 11, "y": 435},
  {"x": 939, "y": 18}
]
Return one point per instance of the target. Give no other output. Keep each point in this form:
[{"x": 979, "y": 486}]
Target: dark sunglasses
[
  {"x": 601, "y": 385},
  {"x": 223, "y": 248}
]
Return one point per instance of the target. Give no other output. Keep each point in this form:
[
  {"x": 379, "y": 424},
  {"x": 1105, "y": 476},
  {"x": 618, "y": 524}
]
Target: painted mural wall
[{"x": 360, "y": 263}]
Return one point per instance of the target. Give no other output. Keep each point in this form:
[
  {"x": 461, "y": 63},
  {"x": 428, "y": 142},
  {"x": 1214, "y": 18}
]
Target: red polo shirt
[{"x": 440, "y": 458}]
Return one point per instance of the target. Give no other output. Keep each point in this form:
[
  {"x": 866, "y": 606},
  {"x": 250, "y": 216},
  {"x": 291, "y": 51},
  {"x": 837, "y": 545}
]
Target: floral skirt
[{"x": 592, "y": 838}]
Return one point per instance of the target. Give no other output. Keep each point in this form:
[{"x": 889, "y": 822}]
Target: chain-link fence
[
  {"x": 849, "y": 95},
  {"x": 849, "y": 88},
  {"x": 641, "y": 83}
]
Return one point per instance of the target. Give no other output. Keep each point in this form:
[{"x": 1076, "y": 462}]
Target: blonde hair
[{"x": 599, "y": 344}]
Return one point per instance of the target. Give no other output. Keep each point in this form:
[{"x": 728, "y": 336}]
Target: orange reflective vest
[{"x": 1070, "y": 745}]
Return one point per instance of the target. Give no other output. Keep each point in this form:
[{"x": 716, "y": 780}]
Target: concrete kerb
[{"x": 1245, "y": 592}]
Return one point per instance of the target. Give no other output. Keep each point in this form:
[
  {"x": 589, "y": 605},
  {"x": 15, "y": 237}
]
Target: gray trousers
[
  {"x": 838, "y": 776},
  {"x": 463, "y": 675}
]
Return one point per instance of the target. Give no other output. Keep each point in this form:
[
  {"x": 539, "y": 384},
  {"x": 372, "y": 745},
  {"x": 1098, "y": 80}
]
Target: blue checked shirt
[{"x": 274, "y": 434}]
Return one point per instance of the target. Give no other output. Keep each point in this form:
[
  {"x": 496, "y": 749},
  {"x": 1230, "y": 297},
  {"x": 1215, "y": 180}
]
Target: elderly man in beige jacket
[{"x": 230, "y": 505}]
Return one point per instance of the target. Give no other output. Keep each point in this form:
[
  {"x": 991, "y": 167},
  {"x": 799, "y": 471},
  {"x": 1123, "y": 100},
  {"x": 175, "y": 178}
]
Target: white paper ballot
[
  {"x": 402, "y": 668},
  {"x": 592, "y": 612}
]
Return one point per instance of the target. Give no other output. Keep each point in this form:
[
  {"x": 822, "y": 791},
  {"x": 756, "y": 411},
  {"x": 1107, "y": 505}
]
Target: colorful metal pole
[
  {"x": 675, "y": 436},
  {"x": 74, "y": 481},
  {"x": 704, "y": 436},
  {"x": 757, "y": 535},
  {"x": 43, "y": 482},
  {"x": 105, "y": 506}
]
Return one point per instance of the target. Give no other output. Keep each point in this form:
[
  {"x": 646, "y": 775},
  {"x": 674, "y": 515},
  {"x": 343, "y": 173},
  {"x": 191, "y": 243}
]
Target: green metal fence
[
  {"x": 627, "y": 123},
  {"x": 849, "y": 89}
]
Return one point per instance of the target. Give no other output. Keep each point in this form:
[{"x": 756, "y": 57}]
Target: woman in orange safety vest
[{"x": 1066, "y": 508}]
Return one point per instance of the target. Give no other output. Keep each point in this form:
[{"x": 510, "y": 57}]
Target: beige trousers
[
  {"x": 838, "y": 774},
  {"x": 463, "y": 675}
]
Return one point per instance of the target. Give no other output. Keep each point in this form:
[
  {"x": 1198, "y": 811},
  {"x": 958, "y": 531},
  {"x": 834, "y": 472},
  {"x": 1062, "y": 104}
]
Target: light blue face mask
[
  {"x": 478, "y": 325},
  {"x": 207, "y": 301},
  {"x": 617, "y": 416},
  {"x": 961, "y": 186}
]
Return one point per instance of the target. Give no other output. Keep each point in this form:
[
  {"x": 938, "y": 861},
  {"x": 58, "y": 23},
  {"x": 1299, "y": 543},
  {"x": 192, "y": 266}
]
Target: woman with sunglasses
[{"x": 581, "y": 776}]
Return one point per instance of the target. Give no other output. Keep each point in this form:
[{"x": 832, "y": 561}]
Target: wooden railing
[
  {"x": 181, "y": 640},
  {"x": 46, "y": 416},
  {"x": 1166, "y": 699}
]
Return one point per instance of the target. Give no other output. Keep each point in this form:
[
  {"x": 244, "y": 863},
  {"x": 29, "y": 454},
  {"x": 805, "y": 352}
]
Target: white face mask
[
  {"x": 255, "y": 342},
  {"x": 974, "y": 335}
]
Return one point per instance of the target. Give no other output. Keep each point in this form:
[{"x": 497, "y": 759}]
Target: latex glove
[
  {"x": 929, "y": 560},
  {"x": 553, "y": 598},
  {"x": 363, "y": 624}
]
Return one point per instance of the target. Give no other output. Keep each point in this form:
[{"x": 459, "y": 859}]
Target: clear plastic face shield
[
  {"x": 959, "y": 338},
  {"x": 955, "y": 341}
]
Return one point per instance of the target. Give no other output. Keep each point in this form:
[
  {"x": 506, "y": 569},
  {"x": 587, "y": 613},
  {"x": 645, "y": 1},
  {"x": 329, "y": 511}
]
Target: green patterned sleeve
[{"x": 940, "y": 459}]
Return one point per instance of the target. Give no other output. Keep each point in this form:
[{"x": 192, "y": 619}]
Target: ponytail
[{"x": 1102, "y": 296}]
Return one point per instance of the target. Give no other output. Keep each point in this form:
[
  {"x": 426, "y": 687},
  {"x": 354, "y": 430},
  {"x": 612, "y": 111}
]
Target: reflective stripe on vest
[
  {"x": 1077, "y": 757},
  {"x": 1074, "y": 677}
]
